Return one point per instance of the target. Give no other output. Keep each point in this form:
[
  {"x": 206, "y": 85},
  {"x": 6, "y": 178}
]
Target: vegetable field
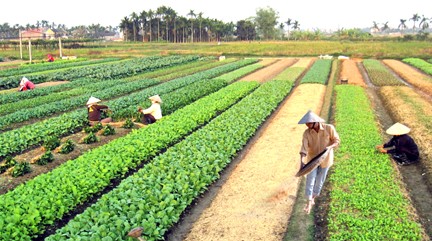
[{"x": 220, "y": 164}]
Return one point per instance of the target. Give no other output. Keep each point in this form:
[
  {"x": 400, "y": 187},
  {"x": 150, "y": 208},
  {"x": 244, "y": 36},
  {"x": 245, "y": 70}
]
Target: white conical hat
[
  {"x": 310, "y": 117},
  {"x": 93, "y": 100},
  {"x": 156, "y": 98},
  {"x": 398, "y": 129}
]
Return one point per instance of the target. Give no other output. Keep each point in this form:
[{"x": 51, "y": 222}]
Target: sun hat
[
  {"x": 310, "y": 117},
  {"x": 93, "y": 100},
  {"x": 398, "y": 129},
  {"x": 156, "y": 98}
]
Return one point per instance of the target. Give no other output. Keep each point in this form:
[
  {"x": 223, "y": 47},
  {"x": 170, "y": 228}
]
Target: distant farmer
[
  {"x": 25, "y": 84},
  {"x": 50, "y": 58},
  {"x": 403, "y": 149},
  {"x": 95, "y": 111},
  {"x": 316, "y": 138},
  {"x": 154, "y": 112}
]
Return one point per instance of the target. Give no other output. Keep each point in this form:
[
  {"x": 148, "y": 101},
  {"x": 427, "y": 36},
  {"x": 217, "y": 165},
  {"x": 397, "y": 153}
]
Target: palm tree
[
  {"x": 150, "y": 14},
  {"x": 134, "y": 18},
  {"x": 170, "y": 16},
  {"x": 281, "y": 28},
  {"x": 424, "y": 23},
  {"x": 402, "y": 26},
  {"x": 192, "y": 15},
  {"x": 200, "y": 19},
  {"x": 160, "y": 11},
  {"x": 375, "y": 26},
  {"x": 288, "y": 23},
  {"x": 124, "y": 24},
  {"x": 415, "y": 18},
  {"x": 296, "y": 26},
  {"x": 385, "y": 27},
  {"x": 143, "y": 17}
]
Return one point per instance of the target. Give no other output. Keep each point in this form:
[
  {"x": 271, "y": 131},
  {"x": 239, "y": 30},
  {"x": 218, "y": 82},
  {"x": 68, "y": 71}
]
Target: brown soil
[
  {"x": 45, "y": 84},
  {"x": 7, "y": 182},
  {"x": 256, "y": 194}
]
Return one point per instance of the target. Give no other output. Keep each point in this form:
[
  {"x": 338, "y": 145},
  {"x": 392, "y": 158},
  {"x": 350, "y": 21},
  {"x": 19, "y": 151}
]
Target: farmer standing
[
  {"x": 154, "y": 112},
  {"x": 403, "y": 148},
  {"x": 25, "y": 84},
  {"x": 316, "y": 138},
  {"x": 94, "y": 111}
]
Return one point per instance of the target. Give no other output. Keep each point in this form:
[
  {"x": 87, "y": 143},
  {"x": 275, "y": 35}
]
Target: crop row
[
  {"x": 420, "y": 64},
  {"x": 318, "y": 72},
  {"x": 156, "y": 196},
  {"x": 49, "y": 196},
  {"x": 22, "y": 138},
  {"x": 367, "y": 198},
  {"x": 25, "y": 69},
  {"x": 119, "y": 69},
  {"x": 380, "y": 75}
]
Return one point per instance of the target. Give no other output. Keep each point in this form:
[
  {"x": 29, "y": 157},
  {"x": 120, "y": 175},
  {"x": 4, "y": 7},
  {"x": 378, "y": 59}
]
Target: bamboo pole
[
  {"x": 30, "y": 52},
  {"x": 60, "y": 48},
  {"x": 20, "y": 41}
]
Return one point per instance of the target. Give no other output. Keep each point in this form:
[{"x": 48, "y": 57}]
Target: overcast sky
[{"x": 311, "y": 14}]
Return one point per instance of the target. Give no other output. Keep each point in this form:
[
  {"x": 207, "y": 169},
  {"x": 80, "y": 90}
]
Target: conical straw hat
[
  {"x": 156, "y": 98},
  {"x": 93, "y": 100},
  {"x": 398, "y": 129},
  {"x": 310, "y": 117}
]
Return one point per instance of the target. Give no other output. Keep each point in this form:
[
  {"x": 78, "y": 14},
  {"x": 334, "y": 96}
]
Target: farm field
[{"x": 228, "y": 172}]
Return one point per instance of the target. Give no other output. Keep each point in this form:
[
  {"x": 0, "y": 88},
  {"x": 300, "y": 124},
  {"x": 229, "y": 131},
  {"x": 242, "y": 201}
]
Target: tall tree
[
  {"x": 402, "y": 26},
  {"x": 288, "y": 23},
  {"x": 134, "y": 19},
  {"x": 191, "y": 15},
  {"x": 143, "y": 20},
  {"x": 415, "y": 18},
  {"x": 423, "y": 24},
  {"x": 124, "y": 24},
  {"x": 266, "y": 20},
  {"x": 150, "y": 14}
]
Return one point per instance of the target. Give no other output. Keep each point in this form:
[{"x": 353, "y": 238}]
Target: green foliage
[
  {"x": 21, "y": 169},
  {"x": 45, "y": 158},
  {"x": 52, "y": 143},
  {"x": 420, "y": 64},
  {"x": 67, "y": 147},
  {"x": 379, "y": 75},
  {"x": 319, "y": 72},
  {"x": 8, "y": 163},
  {"x": 108, "y": 130},
  {"x": 367, "y": 199},
  {"x": 128, "y": 124},
  {"x": 90, "y": 138},
  {"x": 93, "y": 129}
]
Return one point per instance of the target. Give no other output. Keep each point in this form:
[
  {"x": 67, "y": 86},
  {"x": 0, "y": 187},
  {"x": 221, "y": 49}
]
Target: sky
[{"x": 310, "y": 14}]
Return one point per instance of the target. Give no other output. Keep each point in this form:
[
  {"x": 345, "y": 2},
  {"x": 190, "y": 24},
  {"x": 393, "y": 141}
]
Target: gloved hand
[
  {"x": 379, "y": 146},
  {"x": 382, "y": 150},
  {"x": 139, "y": 109}
]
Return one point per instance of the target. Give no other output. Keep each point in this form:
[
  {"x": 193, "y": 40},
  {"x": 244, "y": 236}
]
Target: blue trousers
[{"x": 315, "y": 181}]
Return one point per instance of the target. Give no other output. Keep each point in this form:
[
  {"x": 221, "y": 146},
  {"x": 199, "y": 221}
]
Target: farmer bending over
[
  {"x": 403, "y": 148},
  {"x": 94, "y": 111},
  {"x": 25, "y": 84},
  {"x": 154, "y": 112}
]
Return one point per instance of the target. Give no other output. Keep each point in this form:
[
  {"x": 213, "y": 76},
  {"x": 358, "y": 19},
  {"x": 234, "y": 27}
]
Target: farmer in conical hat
[
  {"x": 95, "y": 111},
  {"x": 154, "y": 112},
  {"x": 316, "y": 138},
  {"x": 403, "y": 148}
]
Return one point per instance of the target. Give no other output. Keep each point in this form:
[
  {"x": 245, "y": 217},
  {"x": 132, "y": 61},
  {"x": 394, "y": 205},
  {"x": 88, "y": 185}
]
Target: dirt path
[{"x": 258, "y": 193}]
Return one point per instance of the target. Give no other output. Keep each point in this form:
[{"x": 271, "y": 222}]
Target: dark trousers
[
  {"x": 402, "y": 159},
  {"x": 148, "y": 119}
]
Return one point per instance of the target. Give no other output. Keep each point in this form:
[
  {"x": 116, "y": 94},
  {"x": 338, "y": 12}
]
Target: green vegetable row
[
  {"x": 367, "y": 200},
  {"x": 48, "y": 197},
  {"x": 379, "y": 74},
  {"x": 319, "y": 72},
  {"x": 420, "y": 64},
  {"x": 156, "y": 195}
]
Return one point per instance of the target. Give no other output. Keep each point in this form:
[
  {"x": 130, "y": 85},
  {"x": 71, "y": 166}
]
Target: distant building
[{"x": 38, "y": 33}]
